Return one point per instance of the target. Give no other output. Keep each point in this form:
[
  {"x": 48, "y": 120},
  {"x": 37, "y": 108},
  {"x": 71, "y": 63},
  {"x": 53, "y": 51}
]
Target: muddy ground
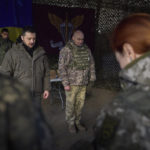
[{"x": 55, "y": 116}]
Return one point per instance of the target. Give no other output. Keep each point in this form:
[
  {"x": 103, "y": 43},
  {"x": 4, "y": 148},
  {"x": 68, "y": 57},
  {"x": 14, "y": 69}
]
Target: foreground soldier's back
[
  {"x": 125, "y": 123},
  {"x": 21, "y": 127}
]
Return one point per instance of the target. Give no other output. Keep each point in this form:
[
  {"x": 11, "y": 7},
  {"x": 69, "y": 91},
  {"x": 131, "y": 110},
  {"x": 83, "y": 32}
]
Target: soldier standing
[
  {"x": 5, "y": 43},
  {"x": 76, "y": 68},
  {"x": 125, "y": 123},
  {"x": 27, "y": 62}
]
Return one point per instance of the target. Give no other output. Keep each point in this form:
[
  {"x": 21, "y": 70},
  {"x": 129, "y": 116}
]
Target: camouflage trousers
[{"x": 74, "y": 103}]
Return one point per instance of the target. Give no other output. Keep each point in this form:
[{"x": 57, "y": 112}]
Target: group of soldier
[
  {"x": 24, "y": 78},
  {"x": 124, "y": 124}
]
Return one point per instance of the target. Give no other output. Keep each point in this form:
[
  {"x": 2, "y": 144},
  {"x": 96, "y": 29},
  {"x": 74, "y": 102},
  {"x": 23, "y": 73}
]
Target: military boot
[{"x": 72, "y": 128}]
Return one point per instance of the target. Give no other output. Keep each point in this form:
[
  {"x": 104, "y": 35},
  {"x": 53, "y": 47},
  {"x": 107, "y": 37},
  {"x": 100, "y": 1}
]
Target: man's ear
[{"x": 129, "y": 51}]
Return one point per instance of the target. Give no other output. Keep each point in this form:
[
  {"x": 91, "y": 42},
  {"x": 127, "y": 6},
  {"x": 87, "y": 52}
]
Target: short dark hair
[
  {"x": 4, "y": 30},
  {"x": 28, "y": 29}
]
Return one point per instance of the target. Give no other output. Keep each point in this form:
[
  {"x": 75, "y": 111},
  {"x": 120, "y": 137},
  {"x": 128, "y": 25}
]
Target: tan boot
[
  {"x": 80, "y": 127},
  {"x": 72, "y": 128}
]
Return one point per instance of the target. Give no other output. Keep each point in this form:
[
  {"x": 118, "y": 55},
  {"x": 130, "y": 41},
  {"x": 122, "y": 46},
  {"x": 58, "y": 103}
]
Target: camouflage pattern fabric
[
  {"x": 5, "y": 45},
  {"x": 74, "y": 103},
  {"x": 125, "y": 123},
  {"x": 80, "y": 56},
  {"x": 137, "y": 73},
  {"x": 75, "y": 77},
  {"x": 22, "y": 127},
  {"x": 72, "y": 75}
]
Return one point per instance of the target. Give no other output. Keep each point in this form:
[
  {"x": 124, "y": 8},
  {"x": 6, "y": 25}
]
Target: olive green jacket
[
  {"x": 5, "y": 45},
  {"x": 31, "y": 71}
]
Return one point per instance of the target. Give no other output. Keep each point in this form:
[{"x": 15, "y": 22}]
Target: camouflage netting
[{"x": 108, "y": 13}]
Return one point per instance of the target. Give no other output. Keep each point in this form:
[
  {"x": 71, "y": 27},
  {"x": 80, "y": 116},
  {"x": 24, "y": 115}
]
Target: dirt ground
[{"x": 55, "y": 116}]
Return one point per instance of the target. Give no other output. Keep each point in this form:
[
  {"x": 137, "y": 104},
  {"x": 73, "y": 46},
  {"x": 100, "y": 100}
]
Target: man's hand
[
  {"x": 45, "y": 94},
  {"x": 67, "y": 88}
]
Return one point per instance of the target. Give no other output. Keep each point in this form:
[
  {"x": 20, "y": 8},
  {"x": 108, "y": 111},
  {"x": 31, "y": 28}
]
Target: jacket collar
[
  {"x": 137, "y": 73},
  {"x": 38, "y": 51}
]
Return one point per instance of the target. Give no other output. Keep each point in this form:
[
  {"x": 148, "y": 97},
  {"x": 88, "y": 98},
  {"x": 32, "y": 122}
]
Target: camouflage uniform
[
  {"x": 5, "y": 44},
  {"x": 74, "y": 103},
  {"x": 137, "y": 73},
  {"x": 125, "y": 123},
  {"x": 21, "y": 125},
  {"x": 76, "y": 68}
]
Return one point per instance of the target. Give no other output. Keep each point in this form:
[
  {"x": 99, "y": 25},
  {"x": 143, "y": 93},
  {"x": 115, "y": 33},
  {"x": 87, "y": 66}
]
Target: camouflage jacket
[
  {"x": 31, "y": 71},
  {"x": 137, "y": 73},
  {"x": 4, "y": 46},
  {"x": 73, "y": 76},
  {"x": 21, "y": 125},
  {"x": 124, "y": 124}
]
